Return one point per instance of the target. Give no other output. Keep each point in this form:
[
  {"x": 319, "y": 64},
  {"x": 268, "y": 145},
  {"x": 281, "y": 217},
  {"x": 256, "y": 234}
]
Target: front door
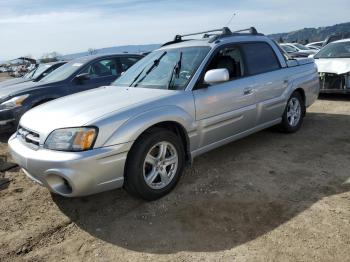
[
  {"x": 225, "y": 109},
  {"x": 101, "y": 73}
]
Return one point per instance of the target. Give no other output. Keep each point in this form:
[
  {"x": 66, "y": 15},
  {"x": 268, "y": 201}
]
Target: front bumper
[
  {"x": 12, "y": 116},
  {"x": 72, "y": 174},
  {"x": 6, "y": 117},
  {"x": 334, "y": 83}
]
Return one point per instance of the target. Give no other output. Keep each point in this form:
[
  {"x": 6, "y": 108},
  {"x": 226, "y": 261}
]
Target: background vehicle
[
  {"x": 299, "y": 48},
  {"x": 316, "y": 48},
  {"x": 336, "y": 37},
  {"x": 292, "y": 52},
  {"x": 35, "y": 75},
  {"x": 317, "y": 45},
  {"x": 333, "y": 63},
  {"x": 75, "y": 76},
  {"x": 180, "y": 101}
]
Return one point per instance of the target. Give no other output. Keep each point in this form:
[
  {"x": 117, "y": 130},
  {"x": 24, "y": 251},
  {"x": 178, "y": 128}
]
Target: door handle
[{"x": 247, "y": 91}]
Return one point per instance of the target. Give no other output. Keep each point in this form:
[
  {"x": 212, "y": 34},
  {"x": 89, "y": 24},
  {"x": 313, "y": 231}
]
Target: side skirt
[{"x": 230, "y": 139}]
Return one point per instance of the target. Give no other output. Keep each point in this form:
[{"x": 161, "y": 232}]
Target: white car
[
  {"x": 315, "y": 45},
  {"x": 300, "y": 48},
  {"x": 333, "y": 63}
]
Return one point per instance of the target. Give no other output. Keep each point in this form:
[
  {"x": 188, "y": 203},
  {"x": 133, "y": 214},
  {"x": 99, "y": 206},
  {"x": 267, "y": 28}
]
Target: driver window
[
  {"x": 102, "y": 68},
  {"x": 231, "y": 59}
]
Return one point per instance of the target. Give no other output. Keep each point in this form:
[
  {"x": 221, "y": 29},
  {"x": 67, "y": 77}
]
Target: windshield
[
  {"x": 335, "y": 50},
  {"x": 301, "y": 47},
  {"x": 164, "y": 69},
  {"x": 30, "y": 74},
  {"x": 62, "y": 73},
  {"x": 39, "y": 70}
]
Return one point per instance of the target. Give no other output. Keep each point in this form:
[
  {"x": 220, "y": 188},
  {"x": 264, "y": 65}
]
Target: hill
[
  {"x": 312, "y": 34},
  {"x": 116, "y": 49}
]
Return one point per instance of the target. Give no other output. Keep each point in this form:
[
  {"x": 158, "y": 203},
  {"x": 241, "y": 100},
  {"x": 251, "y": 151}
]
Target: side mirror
[
  {"x": 82, "y": 77},
  {"x": 216, "y": 76}
]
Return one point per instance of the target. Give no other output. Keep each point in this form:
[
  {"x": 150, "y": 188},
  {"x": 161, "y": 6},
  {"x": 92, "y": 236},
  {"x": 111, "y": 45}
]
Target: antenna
[{"x": 230, "y": 20}]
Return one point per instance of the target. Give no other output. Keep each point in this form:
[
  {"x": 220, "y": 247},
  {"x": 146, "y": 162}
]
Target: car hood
[
  {"x": 11, "y": 90},
  {"x": 13, "y": 81},
  {"x": 85, "y": 107},
  {"x": 333, "y": 65}
]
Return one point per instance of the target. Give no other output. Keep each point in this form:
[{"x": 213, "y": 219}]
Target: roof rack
[{"x": 214, "y": 34}]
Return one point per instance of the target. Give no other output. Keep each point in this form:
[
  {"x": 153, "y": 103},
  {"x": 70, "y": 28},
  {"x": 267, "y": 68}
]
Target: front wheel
[
  {"x": 154, "y": 165},
  {"x": 293, "y": 115}
]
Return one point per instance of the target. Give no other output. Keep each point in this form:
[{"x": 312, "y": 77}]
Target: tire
[
  {"x": 297, "y": 113},
  {"x": 139, "y": 172}
]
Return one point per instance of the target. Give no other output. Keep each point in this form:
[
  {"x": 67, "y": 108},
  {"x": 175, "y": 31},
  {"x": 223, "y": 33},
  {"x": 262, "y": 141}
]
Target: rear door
[
  {"x": 225, "y": 109},
  {"x": 268, "y": 80}
]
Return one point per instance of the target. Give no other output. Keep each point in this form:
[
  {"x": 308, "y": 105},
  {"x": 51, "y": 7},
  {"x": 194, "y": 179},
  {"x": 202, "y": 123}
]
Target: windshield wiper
[
  {"x": 154, "y": 65},
  {"x": 176, "y": 71}
]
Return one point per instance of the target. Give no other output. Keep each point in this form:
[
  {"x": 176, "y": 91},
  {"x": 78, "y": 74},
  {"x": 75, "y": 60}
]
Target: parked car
[
  {"x": 180, "y": 101},
  {"x": 333, "y": 63},
  {"x": 336, "y": 37},
  {"x": 299, "y": 48},
  {"x": 292, "y": 52},
  {"x": 312, "y": 47},
  {"x": 35, "y": 75},
  {"x": 75, "y": 76},
  {"x": 317, "y": 45}
]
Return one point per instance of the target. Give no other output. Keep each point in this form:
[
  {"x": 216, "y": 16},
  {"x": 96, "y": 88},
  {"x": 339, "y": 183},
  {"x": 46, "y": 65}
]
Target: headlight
[
  {"x": 72, "y": 139},
  {"x": 13, "y": 102}
]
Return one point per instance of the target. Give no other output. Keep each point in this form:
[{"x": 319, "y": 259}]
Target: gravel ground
[{"x": 268, "y": 197}]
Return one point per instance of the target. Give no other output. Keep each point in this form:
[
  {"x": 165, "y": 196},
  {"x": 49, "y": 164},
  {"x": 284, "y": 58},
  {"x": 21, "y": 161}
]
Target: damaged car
[
  {"x": 333, "y": 63},
  {"x": 35, "y": 75}
]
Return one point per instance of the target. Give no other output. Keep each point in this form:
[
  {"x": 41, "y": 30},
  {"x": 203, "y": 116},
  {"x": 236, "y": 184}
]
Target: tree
[
  {"x": 281, "y": 40},
  {"x": 92, "y": 51},
  {"x": 50, "y": 57}
]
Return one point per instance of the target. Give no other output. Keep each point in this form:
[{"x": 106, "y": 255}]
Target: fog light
[{"x": 59, "y": 184}]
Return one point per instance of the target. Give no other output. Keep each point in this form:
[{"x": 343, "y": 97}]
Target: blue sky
[{"x": 38, "y": 26}]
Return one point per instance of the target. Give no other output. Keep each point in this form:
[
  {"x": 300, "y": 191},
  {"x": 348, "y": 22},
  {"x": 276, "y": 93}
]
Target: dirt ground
[
  {"x": 4, "y": 76},
  {"x": 268, "y": 197}
]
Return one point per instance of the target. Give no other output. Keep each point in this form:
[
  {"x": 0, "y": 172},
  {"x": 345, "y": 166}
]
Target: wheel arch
[
  {"x": 171, "y": 118},
  {"x": 177, "y": 129}
]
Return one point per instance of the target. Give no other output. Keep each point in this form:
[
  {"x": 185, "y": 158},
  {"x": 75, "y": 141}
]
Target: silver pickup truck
[{"x": 180, "y": 101}]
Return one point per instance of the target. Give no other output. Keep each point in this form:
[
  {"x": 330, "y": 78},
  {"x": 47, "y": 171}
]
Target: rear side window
[{"x": 260, "y": 58}]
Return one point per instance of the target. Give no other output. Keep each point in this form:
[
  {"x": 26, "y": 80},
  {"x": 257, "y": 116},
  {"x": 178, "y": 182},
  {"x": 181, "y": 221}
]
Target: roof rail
[{"x": 215, "y": 34}]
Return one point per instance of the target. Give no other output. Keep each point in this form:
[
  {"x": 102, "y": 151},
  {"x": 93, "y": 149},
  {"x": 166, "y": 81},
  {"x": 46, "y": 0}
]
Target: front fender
[{"x": 131, "y": 129}]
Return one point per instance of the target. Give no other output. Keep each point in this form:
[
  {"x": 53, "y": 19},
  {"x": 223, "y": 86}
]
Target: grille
[
  {"x": 333, "y": 81},
  {"x": 29, "y": 137}
]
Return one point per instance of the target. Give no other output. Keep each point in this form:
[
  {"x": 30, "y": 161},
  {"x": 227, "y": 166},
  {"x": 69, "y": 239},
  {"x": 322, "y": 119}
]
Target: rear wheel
[
  {"x": 154, "y": 165},
  {"x": 293, "y": 115}
]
